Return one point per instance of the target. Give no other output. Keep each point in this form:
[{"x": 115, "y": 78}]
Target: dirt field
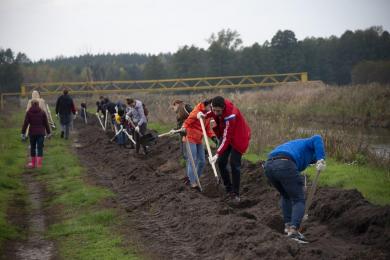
[{"x": 173, "y": 222}]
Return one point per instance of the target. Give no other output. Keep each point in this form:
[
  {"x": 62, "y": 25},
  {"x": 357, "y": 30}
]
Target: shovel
[
  {"x": 169, "y": 133},
  {"x": 124, "y": 131},
  {"x": 105, "y": 121},
  {"x": 85, "y": 115},
  {"x": 310, "y": 197},
  {"x": 206, "y": 140},
  {"x": 195, "y": 170},
  {"x": 100, "y": 121}
]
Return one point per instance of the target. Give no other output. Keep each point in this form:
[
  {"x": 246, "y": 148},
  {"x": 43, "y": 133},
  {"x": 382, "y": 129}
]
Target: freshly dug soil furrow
[{"x": 175, "y": 222}]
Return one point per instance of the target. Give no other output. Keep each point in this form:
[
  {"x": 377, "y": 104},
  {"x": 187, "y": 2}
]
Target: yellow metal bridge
[{"x": 179, "y": 84}]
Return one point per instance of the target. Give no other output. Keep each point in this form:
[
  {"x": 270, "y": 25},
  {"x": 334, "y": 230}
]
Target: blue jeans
[
  {"x": 285, "y": 177},
  {"x": 36, "y": 145},
  {"x": 197, "y": 151}
]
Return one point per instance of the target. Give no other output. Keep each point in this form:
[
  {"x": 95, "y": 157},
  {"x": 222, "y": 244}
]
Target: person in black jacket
[{"x": 64, "y": 109}]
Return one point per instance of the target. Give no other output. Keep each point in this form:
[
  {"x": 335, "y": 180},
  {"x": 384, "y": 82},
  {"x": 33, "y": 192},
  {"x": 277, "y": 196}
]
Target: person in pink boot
[{"x": 39, "y": 126}]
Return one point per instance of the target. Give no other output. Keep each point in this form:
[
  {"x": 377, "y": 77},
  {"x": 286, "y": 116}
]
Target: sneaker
[
  {"x": 236, "y": 199},
  {"x": 286, "y": 227},
  {"x": 296, "y": 235}
]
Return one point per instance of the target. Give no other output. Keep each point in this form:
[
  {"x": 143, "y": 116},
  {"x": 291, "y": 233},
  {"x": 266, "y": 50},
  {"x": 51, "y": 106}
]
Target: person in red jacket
[
  {"x": 234, "y": 134},
  {"x": 194, "y": 136},
  {"x": 37, "y": 119}
]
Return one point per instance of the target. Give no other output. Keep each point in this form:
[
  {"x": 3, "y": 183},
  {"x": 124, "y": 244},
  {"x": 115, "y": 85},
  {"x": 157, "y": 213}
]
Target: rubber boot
[
  {"x": 32, "y": 163},
  {"x": 39, "y": 162}
]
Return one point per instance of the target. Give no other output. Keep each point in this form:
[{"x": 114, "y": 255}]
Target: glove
[
  {"x": 215, "y": 140},
  {"x": 173, "y": 131},
  {"x": 183, "y": 131},
  {"x": 48, "y": 136},
  {"x": 213, "y": 159},
  {"x": 321, "y": 165},
  {"x": 137, "y": 129},
  {"x": 200, "y": 115},
  {"x": 56, "y": 115},
  {"x": 23, "y": 137},
  {"x": 127, "y": 118}
]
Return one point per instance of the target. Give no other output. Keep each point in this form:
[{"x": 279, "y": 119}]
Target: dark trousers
[
  {"x": 235, "y": 165},
  {"x": 285, "y": 177},
  {"x": 137, "y": 137},
  {"x": 36, "y": 144}
]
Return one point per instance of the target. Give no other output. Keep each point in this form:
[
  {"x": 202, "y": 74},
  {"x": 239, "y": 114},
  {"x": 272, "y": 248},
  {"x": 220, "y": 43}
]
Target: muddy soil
[
  {"x": 174, "y": 222},
  {"x": 31, "y": 218}
]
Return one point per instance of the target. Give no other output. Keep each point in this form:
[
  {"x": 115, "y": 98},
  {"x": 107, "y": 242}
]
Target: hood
[
  {"x": 34, "y": 109},
  {"x": 35, "y": 94}
]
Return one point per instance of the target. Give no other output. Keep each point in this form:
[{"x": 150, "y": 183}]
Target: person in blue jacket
[{"x": 283, "y": 169}]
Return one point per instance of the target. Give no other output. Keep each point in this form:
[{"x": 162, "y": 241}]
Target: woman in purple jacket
[{"x": 37, "y": 119}]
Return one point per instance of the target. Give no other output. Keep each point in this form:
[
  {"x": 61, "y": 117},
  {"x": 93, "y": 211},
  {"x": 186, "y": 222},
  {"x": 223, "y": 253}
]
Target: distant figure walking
[{"x": 64, "y": 110}]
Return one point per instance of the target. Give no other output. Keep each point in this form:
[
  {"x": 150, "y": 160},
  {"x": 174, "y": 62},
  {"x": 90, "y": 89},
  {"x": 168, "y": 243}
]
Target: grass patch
[
  {"x": 373, "y": 183},
  {"x": 84, "y": 229},
  {"x": 160, "y": 128},
  {"x": 12, "y": 160}
]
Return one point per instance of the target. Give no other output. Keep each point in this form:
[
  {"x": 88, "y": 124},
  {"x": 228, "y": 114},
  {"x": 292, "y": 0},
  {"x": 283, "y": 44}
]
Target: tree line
[{"x": 334, "y": 60}]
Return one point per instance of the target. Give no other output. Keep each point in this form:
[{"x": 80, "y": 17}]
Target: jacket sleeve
[
  {"x": 73, "y": 107},
  {"x": 318, "y": 146},
  {"x": 58, "y": 105},
  {"x": 25, "y": 124},
  {"x": 46, "y": 123},
  {"x": 230, "y": 125},
  {"x": 141, "y": 113}
]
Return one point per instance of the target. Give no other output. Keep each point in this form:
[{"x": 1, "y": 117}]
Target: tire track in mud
[
  {"x": 175, "y": 222},
  {"x": 36, "y": 246}
]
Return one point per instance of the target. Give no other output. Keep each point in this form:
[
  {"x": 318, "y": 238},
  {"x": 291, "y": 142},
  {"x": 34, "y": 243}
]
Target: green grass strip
[
  {"x": 84, "y": 229},
  {"x": 12, "y": 160}
]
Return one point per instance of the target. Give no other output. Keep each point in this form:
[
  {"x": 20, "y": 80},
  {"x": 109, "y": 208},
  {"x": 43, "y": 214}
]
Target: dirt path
[
  {"x": 35, "y": 246},
  {"x": 174, "y": 222}
]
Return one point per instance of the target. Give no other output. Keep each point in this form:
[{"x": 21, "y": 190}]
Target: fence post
[
  {"x": 23, "y": 90},
  {"x": 304, "y": 77}
]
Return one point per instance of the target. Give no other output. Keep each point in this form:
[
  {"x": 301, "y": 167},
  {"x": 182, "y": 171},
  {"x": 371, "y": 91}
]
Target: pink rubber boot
[
  {"x": 32, "y": 163},
  {"x": 39, "y": 162}
]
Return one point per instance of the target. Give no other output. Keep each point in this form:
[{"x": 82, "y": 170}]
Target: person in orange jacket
[{"x": 194, "y": 135}]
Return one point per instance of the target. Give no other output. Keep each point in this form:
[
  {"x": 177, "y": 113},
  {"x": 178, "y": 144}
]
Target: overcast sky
[{"x": 49, "y": 28}]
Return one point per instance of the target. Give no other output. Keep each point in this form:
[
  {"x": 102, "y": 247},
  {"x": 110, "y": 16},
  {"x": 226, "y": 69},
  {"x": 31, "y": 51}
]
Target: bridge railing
[{"x": 179, "y": 84}]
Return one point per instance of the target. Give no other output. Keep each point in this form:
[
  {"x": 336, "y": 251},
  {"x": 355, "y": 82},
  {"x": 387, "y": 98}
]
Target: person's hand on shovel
[
  {"x": 183, "y": 131},
  {"x": 213, "y": 159},
  {"x": 200, "y": 115},
  {"x": 321, "y": 165},
  {"x": 137, "y": 129},
  {"x": 172, "y": 131}
]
